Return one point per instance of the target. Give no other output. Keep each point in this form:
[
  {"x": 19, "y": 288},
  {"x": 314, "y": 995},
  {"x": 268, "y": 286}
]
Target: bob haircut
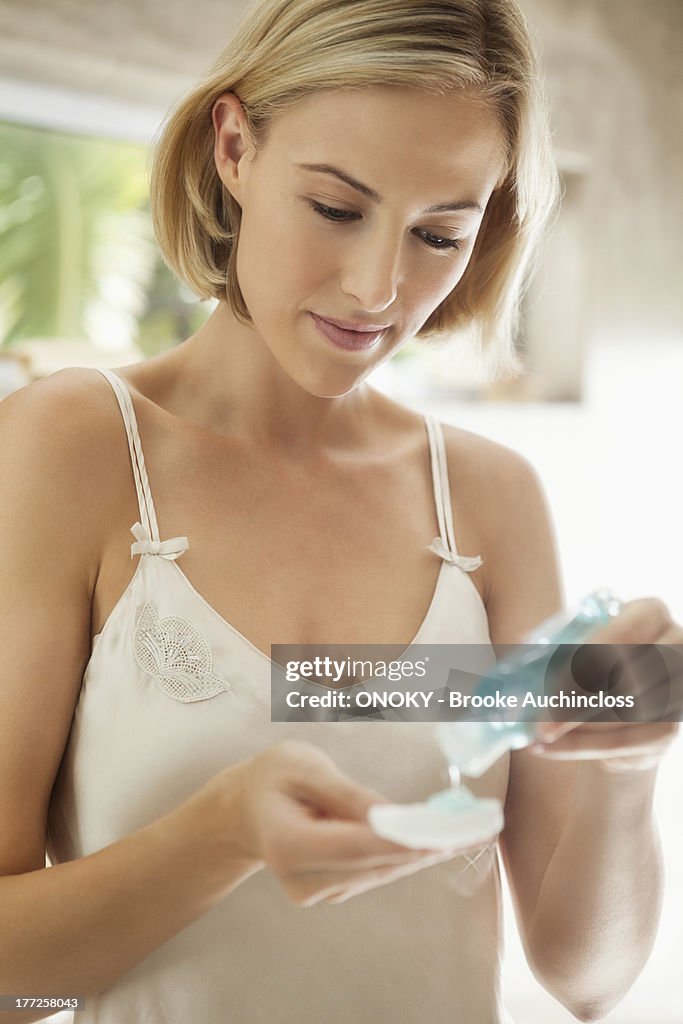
[{"x": 283, "y": 50}]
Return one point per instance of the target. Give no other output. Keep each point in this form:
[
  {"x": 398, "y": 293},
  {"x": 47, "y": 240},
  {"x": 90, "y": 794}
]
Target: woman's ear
[{"x": 233, "y": 145}]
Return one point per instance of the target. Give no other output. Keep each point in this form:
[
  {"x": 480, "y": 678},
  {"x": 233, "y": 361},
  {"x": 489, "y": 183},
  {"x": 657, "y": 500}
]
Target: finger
[
  {"x": 640, "y": 621},
  {"x": 313, "y": 887},
  {"x": 337, "y": 845},
  {"x": 654, "y": 669},
  {"x": 671, "y": 650},
  {"x": 384, "y": 877},
  {"x": 650, "y": 676},
  {"x": 641, "y": 679},
  {"x": 550, "y": 732},
  {"x": 672, "y": 635},
  {"x": 324, "y": 846},
  {"x": 630, "y": 739},
  {"x": 330, "y": 791},
  {"x": 628, "y": 764}
]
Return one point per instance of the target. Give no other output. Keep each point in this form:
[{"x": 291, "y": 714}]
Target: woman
[{"x": 346, "y": 178}]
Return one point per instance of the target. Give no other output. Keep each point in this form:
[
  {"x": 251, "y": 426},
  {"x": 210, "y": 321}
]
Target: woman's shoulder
[
  {"x": 496, "y": 499},
  {"x": 492, "y": 484},
  {"x": 499, "y": 499},
  {"x": 471, "y": 457},
  {"x": 66, "y": 415},
  {"x": 62, "y": 448},
  {"x": 483, "y": 462}
]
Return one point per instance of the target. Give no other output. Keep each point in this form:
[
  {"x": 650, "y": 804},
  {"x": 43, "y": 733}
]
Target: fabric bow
[
  {"x": 169, "y": 549},
  {"x": 468, "y": 563}
]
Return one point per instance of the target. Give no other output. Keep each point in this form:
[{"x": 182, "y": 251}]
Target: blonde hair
[{"x": 283, "y": 50}]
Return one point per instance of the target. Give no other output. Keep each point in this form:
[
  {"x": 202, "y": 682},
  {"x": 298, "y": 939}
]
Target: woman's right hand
[{"x": 298, "y": 815}]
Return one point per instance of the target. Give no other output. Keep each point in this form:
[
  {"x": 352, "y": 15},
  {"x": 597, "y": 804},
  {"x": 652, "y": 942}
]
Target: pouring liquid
[{"x": 454, "y": 817}]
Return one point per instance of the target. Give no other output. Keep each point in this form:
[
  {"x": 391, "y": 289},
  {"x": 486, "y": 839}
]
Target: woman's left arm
[
  {"x": 583, "y": 859},
  {"x": 580, "y": 845}
]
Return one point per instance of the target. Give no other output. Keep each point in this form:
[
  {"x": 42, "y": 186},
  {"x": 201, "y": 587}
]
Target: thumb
[{"x": 334, "y": 795}]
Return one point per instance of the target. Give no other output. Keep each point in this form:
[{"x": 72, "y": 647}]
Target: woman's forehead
[
  {"x": 392, "y": 106},
  {"x": 385, "y": 133}
]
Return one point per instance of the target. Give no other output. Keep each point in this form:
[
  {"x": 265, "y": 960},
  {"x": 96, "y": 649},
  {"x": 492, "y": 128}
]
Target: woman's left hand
[{"x": 656, "y": 684}]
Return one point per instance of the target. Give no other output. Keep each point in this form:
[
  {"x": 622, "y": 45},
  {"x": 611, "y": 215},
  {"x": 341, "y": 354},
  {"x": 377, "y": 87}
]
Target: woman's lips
[{"x": 354, "y": 341}]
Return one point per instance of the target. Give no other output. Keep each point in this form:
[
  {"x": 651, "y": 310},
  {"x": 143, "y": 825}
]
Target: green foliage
[{"x": 77, "y": 252}]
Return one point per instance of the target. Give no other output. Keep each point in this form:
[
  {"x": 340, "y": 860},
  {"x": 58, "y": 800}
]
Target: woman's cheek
[{"x": 434, "y": 291}]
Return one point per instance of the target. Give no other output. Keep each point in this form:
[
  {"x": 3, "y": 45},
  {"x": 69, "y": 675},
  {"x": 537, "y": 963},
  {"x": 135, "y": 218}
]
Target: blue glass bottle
[
  {"x": 472, "y": 747},
  {"x": 454, "y": 816}
]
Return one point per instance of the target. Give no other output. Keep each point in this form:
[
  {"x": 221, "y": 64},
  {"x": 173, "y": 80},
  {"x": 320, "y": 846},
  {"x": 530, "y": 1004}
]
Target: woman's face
[{"x": 340, "y": 220}]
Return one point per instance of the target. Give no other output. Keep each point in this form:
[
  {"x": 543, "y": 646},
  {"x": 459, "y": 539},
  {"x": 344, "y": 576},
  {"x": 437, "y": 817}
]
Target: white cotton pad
[{"x": 431, "y": 826}]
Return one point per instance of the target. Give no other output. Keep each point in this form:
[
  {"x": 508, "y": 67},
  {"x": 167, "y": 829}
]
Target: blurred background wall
[
  {"x": 612, "y": 67},
  {"x": 599, "y": 411}
]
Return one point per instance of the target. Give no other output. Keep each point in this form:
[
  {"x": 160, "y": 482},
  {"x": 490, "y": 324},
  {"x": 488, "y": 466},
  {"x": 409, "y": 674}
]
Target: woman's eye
[
  {"x": 433, "y": 241},
  {"x": 441, "y": 242},
  {"x": 331, "y": 213}
]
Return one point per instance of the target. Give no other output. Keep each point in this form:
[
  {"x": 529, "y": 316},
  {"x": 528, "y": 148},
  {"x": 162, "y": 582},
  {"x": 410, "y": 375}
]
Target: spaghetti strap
[
  {"x": 146, "y": 531},
  {"x": 444, "y": 545}
]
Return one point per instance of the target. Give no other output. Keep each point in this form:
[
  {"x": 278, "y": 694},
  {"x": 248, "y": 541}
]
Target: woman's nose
[{"x": 373, "y": 272}]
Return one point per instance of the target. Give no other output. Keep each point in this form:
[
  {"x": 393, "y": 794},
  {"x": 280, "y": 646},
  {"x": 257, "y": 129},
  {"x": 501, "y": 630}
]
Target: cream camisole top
[{"x": 171, "y": 695}]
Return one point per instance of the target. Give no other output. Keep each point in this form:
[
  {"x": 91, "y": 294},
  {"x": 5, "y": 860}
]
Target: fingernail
[{"x": 549, "y": 733}]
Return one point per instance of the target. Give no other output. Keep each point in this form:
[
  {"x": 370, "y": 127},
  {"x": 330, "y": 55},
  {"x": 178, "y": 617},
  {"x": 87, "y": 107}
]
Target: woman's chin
[
  {"x": 328, "y": 389},
  {"x": 328, "y": 382}
]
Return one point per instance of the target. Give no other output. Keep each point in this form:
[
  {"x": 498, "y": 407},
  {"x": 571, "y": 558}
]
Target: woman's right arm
[{"x": 75, "y": 928}]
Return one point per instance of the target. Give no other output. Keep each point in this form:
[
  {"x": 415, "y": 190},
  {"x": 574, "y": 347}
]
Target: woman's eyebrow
[{"x": 369, "y": 193}]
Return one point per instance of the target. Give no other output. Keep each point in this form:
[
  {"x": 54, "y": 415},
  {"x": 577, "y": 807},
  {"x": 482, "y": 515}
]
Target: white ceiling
[{"x": 117, "y": 64}]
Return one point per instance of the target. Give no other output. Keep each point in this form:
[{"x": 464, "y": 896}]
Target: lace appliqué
[{"x": 176, "y": 654}]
